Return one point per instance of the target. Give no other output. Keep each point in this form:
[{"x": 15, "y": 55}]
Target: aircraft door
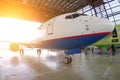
[{"x": 50, "y": 27}]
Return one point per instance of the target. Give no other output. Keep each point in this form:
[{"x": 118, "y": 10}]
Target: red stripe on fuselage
[{"x": 78, "y": 36}]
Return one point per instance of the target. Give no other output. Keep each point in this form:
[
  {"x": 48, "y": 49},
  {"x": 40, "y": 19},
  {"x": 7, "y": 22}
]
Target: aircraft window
[
  {"x": 68, "y": 17},
  {"x": 83, "y": 14},
  {"x": 74, "y": 16}
]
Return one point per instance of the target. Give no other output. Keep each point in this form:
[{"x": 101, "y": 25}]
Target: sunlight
[
  {"x": 18, "y": 30},
  {"x": 15, "y": 30},
  {"x": 5, "y": 53}
]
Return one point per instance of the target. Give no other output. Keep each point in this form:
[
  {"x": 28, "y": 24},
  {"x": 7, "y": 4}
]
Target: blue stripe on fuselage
[{"x": 73, "y": 42}]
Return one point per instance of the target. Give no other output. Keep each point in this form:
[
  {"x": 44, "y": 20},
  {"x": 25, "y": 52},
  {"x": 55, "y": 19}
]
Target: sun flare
[{"x": 17, "y": 30}]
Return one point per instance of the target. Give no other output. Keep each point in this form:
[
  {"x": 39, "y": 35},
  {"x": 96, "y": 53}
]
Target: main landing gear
[
  {"x": 67, "y": 59},
  {"x": 38, "y": 52},
  {"x": 22, "y": 52}
]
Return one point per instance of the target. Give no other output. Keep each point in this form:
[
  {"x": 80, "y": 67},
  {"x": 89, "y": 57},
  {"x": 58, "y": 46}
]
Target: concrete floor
[{"x": 50, "y": 66}]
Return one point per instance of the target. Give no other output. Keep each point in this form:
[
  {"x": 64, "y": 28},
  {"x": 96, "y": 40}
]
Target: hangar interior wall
[{"x": 110, "y": 10}]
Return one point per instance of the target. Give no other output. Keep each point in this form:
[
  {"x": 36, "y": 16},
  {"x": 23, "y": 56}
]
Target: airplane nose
[
  {"x": 108, "y": 26},
  {"x": 103, "y": 25}
]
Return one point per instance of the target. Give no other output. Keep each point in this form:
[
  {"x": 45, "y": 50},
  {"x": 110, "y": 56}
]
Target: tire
[
  {"x": 66, "y": 60},
  {"x": 38, "y": 51},
  {"x": 70, "y": 59},
  {"x": 21, "y": 52}
]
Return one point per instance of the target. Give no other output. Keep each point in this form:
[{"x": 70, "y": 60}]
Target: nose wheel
[{"x": 67, "y": 59}]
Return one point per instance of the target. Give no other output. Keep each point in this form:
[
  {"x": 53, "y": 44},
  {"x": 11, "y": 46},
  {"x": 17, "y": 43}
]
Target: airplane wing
[
  {"x": 26, "y": 45},
  {"x": 15, "y": 46}
]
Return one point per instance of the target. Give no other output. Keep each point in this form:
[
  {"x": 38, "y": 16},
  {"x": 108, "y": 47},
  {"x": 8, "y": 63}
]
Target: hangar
[
  {"x": 84, "y": 67},
  {"x": 43, "y": 10}
]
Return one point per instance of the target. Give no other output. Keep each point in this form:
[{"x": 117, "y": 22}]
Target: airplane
[{"x": 69, "y": 32}]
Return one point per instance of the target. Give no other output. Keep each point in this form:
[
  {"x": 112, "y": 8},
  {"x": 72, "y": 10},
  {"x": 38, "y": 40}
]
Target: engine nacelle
[{"x": 14, "y": 47}]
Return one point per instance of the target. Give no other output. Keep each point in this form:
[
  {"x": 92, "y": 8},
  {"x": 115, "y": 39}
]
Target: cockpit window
[
  {"x": 72, "y": 16},
  {"x": 68, "y": 17},
  {"x": 75, "y": 15}
]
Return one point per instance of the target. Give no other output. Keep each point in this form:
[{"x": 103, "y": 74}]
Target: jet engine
[{"x": 14, "y": 47}]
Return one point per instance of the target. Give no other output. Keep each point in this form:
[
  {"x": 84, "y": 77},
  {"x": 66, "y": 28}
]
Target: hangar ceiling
[{"x": 39, "y": 10}]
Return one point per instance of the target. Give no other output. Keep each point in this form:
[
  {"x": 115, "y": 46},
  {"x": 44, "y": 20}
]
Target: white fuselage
[{"x": 70, "y": 28}]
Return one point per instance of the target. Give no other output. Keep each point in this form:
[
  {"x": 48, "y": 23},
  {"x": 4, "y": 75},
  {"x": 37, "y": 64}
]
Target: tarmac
[{"x": 49, "y": 66}]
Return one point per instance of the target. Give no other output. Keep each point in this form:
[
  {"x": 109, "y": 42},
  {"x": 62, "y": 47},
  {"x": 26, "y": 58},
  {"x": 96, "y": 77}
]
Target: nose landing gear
[{"x": 67, "y": 59}]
